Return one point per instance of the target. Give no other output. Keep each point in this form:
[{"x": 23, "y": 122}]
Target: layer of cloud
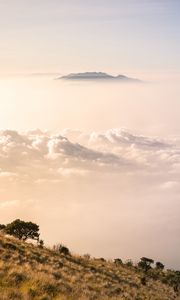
[{"x": 40, "y": 155}]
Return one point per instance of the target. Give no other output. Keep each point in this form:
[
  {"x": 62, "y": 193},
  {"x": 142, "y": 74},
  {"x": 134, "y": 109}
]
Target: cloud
[
  {"x": 59, "y": 146},
  {"x": 39, "y": 155},
  {"x": 123, "y": 137}
]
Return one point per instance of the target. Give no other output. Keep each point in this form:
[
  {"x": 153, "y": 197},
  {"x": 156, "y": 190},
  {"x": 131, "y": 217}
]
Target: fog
[
  {"x": 96, "y": 165},
  {"x": 152, "y": 107}
]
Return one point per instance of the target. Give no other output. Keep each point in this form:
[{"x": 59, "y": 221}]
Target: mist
[{"x": 151, "y": 107}]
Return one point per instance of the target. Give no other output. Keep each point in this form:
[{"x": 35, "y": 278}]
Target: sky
[
  {"x": 61, "y": 36},
  {"x": 96, "y": 165}
]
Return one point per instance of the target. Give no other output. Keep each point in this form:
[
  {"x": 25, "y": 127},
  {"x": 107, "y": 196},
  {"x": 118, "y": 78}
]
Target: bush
[
  {"x": 159, "y": 266},
  {"x": 50, "y": 289},
  {"x": 118, "y": 261},
  {"x": 10, "y": 246},
  {"x": 143, "y": 280},
  {"x": 17, "y": 278},
  {"x": 41, "y": 244},
  {"x": 63, "y": 250},
  {"x": 129, "y": 263}
]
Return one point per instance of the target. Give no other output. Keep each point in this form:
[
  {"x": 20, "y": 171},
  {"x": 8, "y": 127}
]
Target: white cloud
[{"x": 39, "y": 155}]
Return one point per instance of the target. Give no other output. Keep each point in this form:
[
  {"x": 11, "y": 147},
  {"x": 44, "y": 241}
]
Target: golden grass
[{"x": 29, "y": 272}]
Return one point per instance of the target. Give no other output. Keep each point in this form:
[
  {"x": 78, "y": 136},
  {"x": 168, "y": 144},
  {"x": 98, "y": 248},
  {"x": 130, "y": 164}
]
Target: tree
[
  {"x": 159, "y": 265},
  {"x": 23, "y": 230},
  {"x": 145, "y": 263}
]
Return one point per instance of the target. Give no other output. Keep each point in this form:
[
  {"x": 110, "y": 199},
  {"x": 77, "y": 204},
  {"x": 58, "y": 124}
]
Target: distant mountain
[{"x": 97, "y": 76}]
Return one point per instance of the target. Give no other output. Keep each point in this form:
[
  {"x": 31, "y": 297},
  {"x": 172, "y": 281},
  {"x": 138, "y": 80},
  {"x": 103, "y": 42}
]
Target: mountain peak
[{"x": 97, "y": 76}]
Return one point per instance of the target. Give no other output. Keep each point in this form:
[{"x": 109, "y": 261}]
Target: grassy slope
[{"x": 29, "y": 272}]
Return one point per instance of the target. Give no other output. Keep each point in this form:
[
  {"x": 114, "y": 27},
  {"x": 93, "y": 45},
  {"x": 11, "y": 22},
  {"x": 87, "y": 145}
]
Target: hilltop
[
  {"x": 29, "y": 271},
  {"x": 97, "y": 76}
]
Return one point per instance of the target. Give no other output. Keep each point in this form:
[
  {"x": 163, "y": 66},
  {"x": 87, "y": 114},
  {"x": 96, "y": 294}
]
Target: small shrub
[
  {"x": 10, "y": 246},
  {"x": 129, "y": 263},
  {"x": 32, "y": 293},
  {"x": 143, "y": 280},
  {"x": 57, "y": 275},
  {"x": 87, "y": 256},
  {"x": 93, "y": 269},
  {"x": 6, "y": 256},
  {"x": 159, "y": 265},
  {"x": 102, "y": 259},
  {"x": 17, "y": 278},
  {"x": 50, "y": 289},
  {"x": 118, "y": 261},
  {"x": 41, "y": 244},
  {"x": 63, "y": 250}
]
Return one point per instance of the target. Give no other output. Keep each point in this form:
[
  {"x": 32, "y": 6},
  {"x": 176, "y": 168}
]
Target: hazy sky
[
  {"x": 102, "y": 171},
  {"x": 63, "y": 36}
]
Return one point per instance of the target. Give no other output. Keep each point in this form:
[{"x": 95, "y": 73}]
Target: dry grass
[{"x": 29, "y": 272}]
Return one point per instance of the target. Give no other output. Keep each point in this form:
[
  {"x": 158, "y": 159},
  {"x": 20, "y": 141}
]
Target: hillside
[{"x": 29, "y": 272}]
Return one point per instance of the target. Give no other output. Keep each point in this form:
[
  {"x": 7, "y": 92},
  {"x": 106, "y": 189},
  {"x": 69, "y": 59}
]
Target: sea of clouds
[{"x": 39, "y": 155}]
